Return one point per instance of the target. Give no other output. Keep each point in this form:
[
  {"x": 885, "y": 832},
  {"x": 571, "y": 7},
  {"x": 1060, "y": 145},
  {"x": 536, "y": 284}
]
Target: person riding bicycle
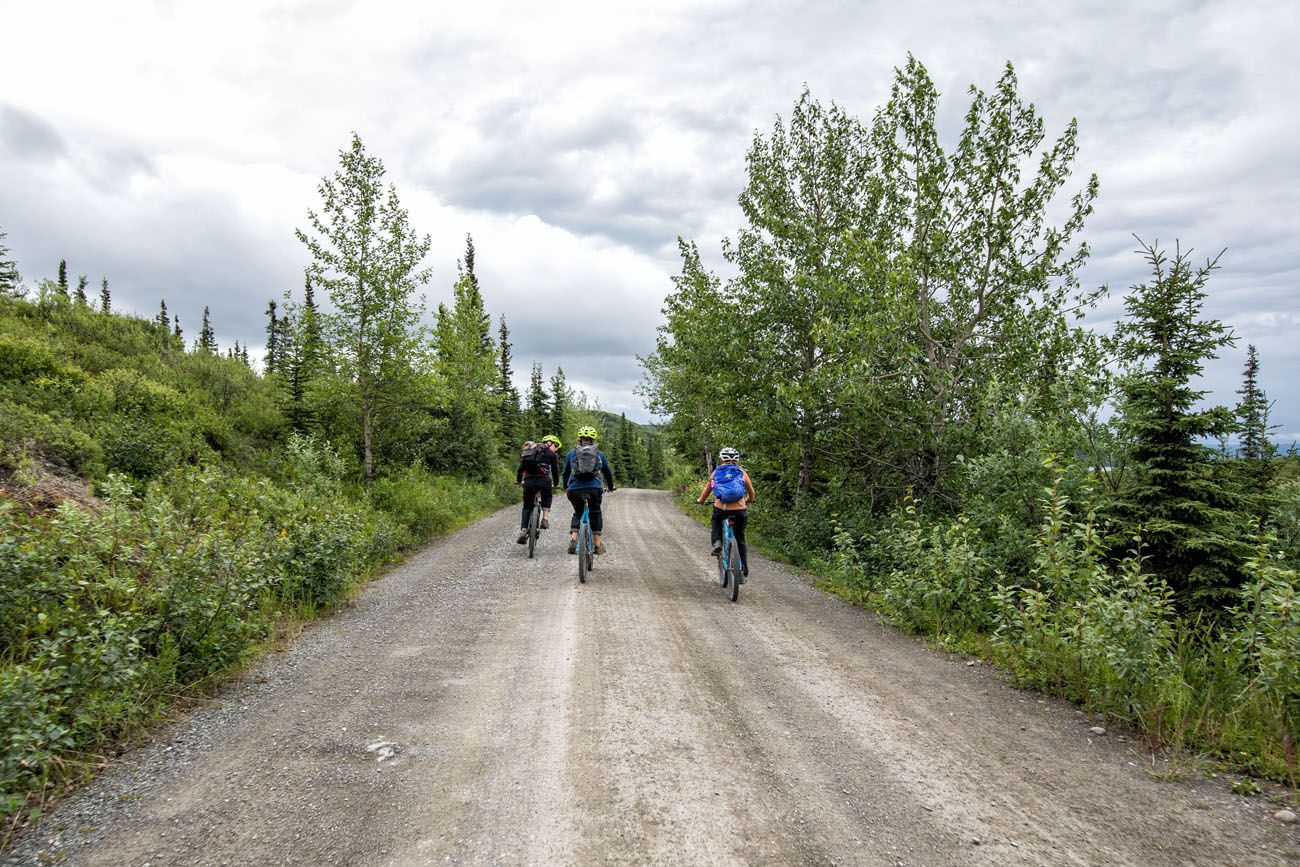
[
  {"x": 538, "y": 469},
  {"x": 583, "y": 467},
  {"x": 732, "y": 491}
]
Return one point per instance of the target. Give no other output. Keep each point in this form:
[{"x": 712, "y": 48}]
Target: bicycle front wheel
[
  {"x": 733, "y": 570},
  {"x": 584, "y": 542},
  {"x": 534, "y": 520}
]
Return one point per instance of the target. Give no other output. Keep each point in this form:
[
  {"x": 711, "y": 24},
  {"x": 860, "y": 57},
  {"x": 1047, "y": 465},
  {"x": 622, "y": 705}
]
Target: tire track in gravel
[{"x": 640, "y": 718}]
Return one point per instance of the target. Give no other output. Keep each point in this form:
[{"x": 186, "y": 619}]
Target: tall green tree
[
  {"x": 506, "y": 392},
  {"x": 558, "y": 422},
  {"x": 1257, "y": 448},
  {"x": 207, "y": 341},
  {"x": 466, "y": 366},
  {"x": 81, "y": 297},
  {"x": 273, "y": 328},
  {"x": 176, "y": 330},
  {"x": 1190, "y": 537},
  {"x": 63, "y": 277},
  {"x": 105, "y": 297},
  {"x": 656, "y": 466},
  {"x": 10, "y": 280},
  {"x": 162, "y": 319},
  {"x": 367, "y": 257},
  {"x": 538, "y": 411}
]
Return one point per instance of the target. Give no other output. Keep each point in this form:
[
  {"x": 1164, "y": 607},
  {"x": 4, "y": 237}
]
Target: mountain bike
[
  {"x": 534, "y": 522},
  {"x": 586, "y": 548},
  {"x": 729, "y": 564}
]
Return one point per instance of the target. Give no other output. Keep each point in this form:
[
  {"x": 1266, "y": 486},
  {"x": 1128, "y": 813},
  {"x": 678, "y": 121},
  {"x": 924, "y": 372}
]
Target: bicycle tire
[
  {"x": 582, "y": 554},
  {"x": 722, "y": 569},
  {"x": 733, "y": 569},
  {"x": 534, "y": 520}
]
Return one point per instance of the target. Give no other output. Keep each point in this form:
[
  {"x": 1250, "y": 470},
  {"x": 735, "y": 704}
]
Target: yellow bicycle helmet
[
  {"x": 587, "y": 432},
  {"x": 552, "y": 438}
]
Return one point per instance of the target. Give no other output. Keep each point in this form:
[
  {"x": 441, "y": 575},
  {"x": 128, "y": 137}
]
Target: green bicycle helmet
[
  {"x": 587, "y": 432},
  {"x": 552, "y": 438}
]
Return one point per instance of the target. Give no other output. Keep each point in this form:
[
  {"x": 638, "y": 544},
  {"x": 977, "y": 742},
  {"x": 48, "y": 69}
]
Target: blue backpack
[{"x": 729, "y": 483}]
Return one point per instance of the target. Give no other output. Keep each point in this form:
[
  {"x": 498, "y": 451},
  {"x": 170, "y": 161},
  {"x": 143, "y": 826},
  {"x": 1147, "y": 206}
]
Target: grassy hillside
[{"x": 159, "y": 519}]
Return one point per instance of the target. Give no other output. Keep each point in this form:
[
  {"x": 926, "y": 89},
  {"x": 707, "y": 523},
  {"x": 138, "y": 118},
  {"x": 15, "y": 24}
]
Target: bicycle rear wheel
[
  {"x": 534, "y": 520},
  {"x": 584, "y": 539},
  {"x": 733, "y": 570}
]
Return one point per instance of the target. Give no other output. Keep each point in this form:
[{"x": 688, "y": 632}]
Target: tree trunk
[{"x": 367, "y": 435}]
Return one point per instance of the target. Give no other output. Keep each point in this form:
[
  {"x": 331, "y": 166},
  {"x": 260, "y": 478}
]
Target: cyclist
[
  {"x": 729, "y": 502},
  {"x": 538, "y": 468},
  {"x": 583, "y": 467}
]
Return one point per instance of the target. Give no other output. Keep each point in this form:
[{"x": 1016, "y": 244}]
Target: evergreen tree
[
  {"x": 207, "y": 339},
  {"x": 367, "y": 257},
  {"x": 63, "y": 277},
  {"x": 466, "y": 364},
  {"x": 244, "y": 357},
  {"x": 1256, "y": 447},
  {"x": 176, "y": 330},
  {"x": 162, "y": 319},
  {"x": 506, "y": 392},
  {"x": 105, "y": 298},
  {"x": 538, "y": 412},
  {"x": 1189, "y": 535},
  {"x": 627, "y": 452},
  {"x": 655, "y": 467},
  {"x": 10, "y": 279},
  {"x": 81, "y": 297},
  {"x": 309, "y": 319},
  {"x": 559, "y": 417},
  {"x": 272, "y": 361}
]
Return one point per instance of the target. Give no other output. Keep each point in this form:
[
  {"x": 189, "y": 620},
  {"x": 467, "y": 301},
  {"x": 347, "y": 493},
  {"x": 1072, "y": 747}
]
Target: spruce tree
[
  {"x": 105, "y": 298},
  {"x": 559, "y": 418},
  {"x": 162, "y": 319},
  {"x": 272, "y": 337},
  {"x": 539, "y": 406},
  {"x": 10, "y": 279},
  {"x": 176, "y": 330},
  {"x": 506, "y": 392},
  {"x": 1190, "y": 536},
  {"x": 207, "y": 339},
  {"x": 82, "y": 298},
  {"x": 655, "y": 468},
  {"x": 1256, "y": 447},
  {"x": 63, "y": 277}
]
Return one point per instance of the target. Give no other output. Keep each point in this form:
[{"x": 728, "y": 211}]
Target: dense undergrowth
[
  {"x": 200, "y": 525},
  {"x": 1051, "y": 608}
]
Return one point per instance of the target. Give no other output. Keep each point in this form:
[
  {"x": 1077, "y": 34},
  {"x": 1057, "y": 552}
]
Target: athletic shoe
[
  {"x": 523, "y": 537},
  {"x": 717, "y": 549},
  {"x": 600, "y": 549},
  {"x": 546, "y": 524},
  {"x": 573, "y": 546}
]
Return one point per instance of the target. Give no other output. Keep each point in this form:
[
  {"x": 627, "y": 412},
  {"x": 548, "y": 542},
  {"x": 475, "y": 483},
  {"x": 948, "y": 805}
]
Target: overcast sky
[{"x": 174, "y": 147}]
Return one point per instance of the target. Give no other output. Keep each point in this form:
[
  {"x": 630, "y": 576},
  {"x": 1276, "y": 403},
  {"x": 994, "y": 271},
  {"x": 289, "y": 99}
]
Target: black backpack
[
  {"x": 586, "y": 463},
  {"x": 537, "y": 460}
]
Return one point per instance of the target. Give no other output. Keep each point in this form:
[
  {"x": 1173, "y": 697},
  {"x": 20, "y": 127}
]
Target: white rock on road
[{"x": 639, "y": 718}]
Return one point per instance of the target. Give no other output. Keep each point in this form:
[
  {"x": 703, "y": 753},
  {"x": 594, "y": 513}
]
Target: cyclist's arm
[
  {"x": 608, "y": 473},
  {"x": 704, "y": 494},
  {"x": 519, "y": 473},
  {"x": 555, "y": 467},
  {"x": 749, "y": 488},
  {"x": 564, "y": 478}
]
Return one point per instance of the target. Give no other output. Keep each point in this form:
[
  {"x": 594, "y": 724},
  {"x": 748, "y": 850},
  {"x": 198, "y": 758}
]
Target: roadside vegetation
[
  {"x": 166, "y": 508},
  {"x": 902, "y": 361}
]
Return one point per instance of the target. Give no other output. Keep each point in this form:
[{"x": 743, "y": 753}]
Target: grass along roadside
[
  {"x": 1212, "y": 698},
  {"x": 121, "y": 612}
]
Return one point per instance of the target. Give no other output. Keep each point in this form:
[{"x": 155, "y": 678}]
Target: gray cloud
[{"x": 24, "y": 135}]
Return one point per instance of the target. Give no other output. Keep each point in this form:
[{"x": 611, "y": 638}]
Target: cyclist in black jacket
[{"x": 538, "y": 469}]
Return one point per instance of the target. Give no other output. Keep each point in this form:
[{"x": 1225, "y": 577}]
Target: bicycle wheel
[
  {"x": 534, "y": 520},
  {"x": 722, "y": 569},
  {"x": 583, "y": 563},
  {"x": 733, "y": 570}
]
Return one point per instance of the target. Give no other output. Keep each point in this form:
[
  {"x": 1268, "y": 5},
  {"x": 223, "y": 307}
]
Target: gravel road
[{"x": 478, "y": 707}]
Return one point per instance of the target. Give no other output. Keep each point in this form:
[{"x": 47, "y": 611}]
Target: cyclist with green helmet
[
  {"x": 538, "y": 469},
  {"x": 584, "y": 466}
]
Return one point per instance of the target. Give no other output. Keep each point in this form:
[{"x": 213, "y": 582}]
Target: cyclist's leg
[
  {"x": 595, "y": 496},
  {"x": 715, "y": 535},
  {"x": 548, "y": 491},
  {"x": 528, "y": 506},
  {"x": 740, "y": 518},
  {"x": 578, "y": 503}
]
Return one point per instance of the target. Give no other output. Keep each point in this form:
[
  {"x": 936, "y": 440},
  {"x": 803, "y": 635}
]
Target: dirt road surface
[{"x": 477, "y": 707}]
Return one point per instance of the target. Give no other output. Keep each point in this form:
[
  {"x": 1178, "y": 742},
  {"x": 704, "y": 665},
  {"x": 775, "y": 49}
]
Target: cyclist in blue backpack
[
  {"x": 583, "y": 467},
  {"x": 732, "y": 493},
  {"x": 538, "y": 469}
]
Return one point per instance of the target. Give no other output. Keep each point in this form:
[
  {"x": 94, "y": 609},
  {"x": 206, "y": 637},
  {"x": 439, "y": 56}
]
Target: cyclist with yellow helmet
[
  {"x": 538, "y": 469},
  {"x": 584, "y": 466}
]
